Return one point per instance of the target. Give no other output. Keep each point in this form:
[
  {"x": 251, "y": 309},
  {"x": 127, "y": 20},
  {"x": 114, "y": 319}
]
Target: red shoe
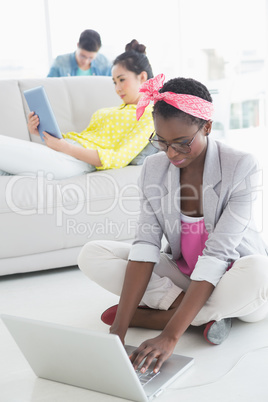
[{"x": 108, "y": 315}]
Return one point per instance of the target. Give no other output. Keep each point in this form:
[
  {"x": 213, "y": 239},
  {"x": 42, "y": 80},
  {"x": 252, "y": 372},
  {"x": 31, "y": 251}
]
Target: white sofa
[{"x": 44, "y": 222}]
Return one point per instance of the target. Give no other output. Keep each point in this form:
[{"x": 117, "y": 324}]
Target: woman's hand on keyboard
[{"x": 159, "y": 348}]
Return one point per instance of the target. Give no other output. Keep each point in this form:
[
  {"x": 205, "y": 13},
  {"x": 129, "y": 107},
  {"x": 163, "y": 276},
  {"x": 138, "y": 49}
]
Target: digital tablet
[{"x": 38, "y": 103}]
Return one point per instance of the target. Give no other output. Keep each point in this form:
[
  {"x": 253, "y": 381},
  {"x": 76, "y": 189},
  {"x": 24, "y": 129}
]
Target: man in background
[{"x": 84, "y": 61}]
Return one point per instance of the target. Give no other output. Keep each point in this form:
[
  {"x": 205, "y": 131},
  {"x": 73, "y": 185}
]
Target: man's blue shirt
[{"x": 66, "y": 65}]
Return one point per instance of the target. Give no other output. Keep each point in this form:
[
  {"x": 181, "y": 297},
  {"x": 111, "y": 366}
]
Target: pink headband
[{"x": 190, "y": 104}]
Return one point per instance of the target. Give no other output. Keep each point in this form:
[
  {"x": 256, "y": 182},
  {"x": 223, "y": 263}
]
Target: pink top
[
  {"x": 193, "y": 241},
  {"x": 193, "y": 238}
]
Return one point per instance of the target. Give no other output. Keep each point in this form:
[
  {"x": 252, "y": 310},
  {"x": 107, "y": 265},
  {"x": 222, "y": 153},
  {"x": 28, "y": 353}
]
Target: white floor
[{"x": 234, "y": 371}]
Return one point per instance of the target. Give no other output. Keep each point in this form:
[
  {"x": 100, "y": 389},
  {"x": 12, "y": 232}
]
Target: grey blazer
[{"x": 231, "y": 183}]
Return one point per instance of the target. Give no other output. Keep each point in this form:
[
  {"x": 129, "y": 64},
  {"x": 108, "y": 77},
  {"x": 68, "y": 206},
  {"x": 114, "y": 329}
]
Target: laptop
[
  {"x": 38, "y": 102},
  {"x": 89, "y": 359}
]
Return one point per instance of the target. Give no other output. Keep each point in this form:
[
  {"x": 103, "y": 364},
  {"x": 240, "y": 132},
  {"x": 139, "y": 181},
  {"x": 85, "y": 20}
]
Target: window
[
  {"x": 223, "y": 44},
  {"x": 23, "y": 39}
]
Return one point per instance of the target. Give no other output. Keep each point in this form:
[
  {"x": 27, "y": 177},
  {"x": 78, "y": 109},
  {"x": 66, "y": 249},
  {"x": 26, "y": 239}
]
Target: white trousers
[
  {"x": 242, "y": 291},
  {"x": 19, "y": 157}
]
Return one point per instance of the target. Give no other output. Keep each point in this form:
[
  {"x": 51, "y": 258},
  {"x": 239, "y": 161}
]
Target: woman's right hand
[{"x": 33, "y": 123}]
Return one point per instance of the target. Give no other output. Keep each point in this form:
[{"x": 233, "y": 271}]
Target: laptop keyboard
[{"x": 146, "y": 377}]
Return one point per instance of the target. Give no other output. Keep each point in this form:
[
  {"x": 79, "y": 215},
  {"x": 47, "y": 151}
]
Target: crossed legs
[{"x": 242, "y": 292}]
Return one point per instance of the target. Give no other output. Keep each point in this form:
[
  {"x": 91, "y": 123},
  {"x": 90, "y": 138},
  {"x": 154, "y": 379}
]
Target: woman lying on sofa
[{"x": 113, "y": 139}]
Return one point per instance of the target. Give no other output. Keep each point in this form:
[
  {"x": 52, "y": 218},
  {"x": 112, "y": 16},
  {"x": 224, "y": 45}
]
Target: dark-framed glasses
[{"x": 176, "y": 146}]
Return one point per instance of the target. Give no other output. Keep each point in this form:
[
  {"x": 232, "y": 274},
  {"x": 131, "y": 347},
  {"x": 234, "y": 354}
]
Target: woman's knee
[
  {"x": 97, "y": 255},
  {"x": 104, "y": 262},
  {"x": 256, "y": 266},
  {"x": 89, "y": 256}
]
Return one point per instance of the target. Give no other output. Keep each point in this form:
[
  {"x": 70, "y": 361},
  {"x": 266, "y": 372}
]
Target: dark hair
[
  {"x": 134, "y": 59},
  {"x": 90, "y": 40},
  {"x": 180, "y": 85}
]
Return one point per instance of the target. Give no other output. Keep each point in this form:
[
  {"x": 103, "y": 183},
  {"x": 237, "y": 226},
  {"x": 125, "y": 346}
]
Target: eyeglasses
[
  {"x": 90, "y": 56},
  {"x": 83, "y": 57},
  {"x": 177, "y": 147}
]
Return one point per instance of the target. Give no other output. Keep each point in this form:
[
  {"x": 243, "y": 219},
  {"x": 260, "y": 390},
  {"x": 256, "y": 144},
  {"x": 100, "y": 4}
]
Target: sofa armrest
[{"x": 12, "y": 122}]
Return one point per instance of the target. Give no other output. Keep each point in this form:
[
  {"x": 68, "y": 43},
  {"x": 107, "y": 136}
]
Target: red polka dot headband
[{"x": 190, "y": 104}]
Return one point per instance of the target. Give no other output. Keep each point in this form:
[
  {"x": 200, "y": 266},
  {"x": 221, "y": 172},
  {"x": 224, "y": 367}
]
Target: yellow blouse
[{"x": 116, "y": 134}]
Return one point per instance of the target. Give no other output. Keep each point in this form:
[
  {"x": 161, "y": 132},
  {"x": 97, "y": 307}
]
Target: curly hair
[
  {"x": 134, "y": 59},
  {"x": 181, "y": 85}
]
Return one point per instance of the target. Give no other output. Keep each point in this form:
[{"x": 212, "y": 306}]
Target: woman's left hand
[
  {"x": 159, "y": 348},
  {"x": 55, "y": 143}
]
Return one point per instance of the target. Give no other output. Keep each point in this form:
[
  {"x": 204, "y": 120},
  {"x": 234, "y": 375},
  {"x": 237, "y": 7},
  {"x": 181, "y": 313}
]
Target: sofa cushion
[{"x": 148, "y": 150}]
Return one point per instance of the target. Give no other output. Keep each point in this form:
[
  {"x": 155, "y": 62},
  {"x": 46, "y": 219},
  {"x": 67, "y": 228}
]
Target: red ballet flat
[{"x": 108, "y": 315}]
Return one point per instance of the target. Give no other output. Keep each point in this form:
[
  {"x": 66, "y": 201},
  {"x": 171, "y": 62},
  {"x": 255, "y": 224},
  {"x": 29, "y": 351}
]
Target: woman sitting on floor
[{"x": 199, "y": 193}]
